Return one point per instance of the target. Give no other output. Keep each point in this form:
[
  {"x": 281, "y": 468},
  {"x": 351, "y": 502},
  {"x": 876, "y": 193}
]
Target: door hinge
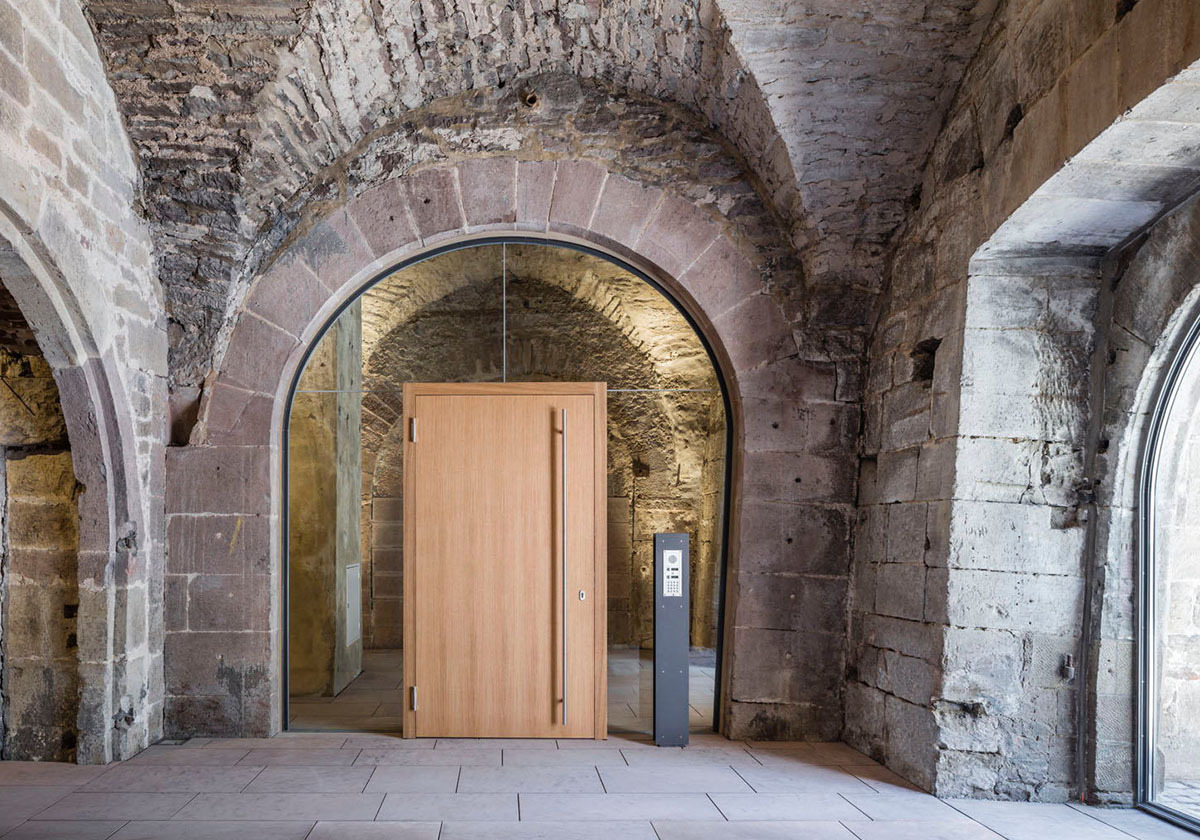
[
  {"x": 412, "y": 429},
  {"x": 413, "y": 689}
]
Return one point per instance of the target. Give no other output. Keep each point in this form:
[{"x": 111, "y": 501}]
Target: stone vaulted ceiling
[{"x": 235, "y": 105}]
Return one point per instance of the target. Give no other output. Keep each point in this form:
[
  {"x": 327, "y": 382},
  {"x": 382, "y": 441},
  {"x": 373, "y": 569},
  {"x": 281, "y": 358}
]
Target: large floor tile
[
  {"x": 1036, "y": 820},
  {"x": 681, "y": 779},
  {"x": 61, "y": 830},
  {"x": 881, "y": 806},
  {"x": 299, "y": 758},
  {"x": 310, "y": 780},
  {"x": 282, "y": 741},
  {"x": 529, "y": 780},
  {"x": 1137, "y": 823},
  {"x": 842, "y": 754},
  {"x": 695, "y": 830},
  {"x": 116, "y": 806},
  {"x": 215, "y": 830},
  {"x": 48, "y": 773},
  {"x": 449, "y": 806},
  {"x": 133, "y": 778},
  {"x": 188, "y": 756},
  {"x": 617, "y": 806},
  {"x": 714, "y": 740},
  {"x": 698, "y": 757},
  {"x": 623, "y": 830},
  {"x": 792, "y": 746},
  {"x": 283, "y": 806},
  {"x": 927, "y": 830},
  {"x": 18, "y": 804},
  {"x": 612, "y": 742},
  {"x": 376, "y": 831},
  {"x": 806, "y": 779},
  {"x": 883, "y": 780},
  {"x": 497, "y": 743},
  {"x": 405, "y": 779},
  {"x": 562, "y": 758},
  {"x": 429, "y": 758},
  {"x": 785, "y": 806},
  {"x": 387, "y": 742}
]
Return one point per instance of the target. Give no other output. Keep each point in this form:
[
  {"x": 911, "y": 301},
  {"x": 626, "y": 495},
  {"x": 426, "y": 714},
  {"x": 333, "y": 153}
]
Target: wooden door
[{"x": 484, "y": 587}]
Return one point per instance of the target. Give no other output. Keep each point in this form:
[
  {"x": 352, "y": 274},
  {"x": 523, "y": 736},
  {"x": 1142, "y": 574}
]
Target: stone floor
[
  {"x": 371, "y": 703},
  {"x": 358, "y": 787}
]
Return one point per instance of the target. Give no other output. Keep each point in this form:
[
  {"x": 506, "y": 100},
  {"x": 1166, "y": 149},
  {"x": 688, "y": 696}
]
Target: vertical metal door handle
[{"x": 564, "y": 567}]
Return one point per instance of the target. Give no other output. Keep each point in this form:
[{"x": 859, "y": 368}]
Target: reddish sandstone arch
[{"x": 687, "y": 250}]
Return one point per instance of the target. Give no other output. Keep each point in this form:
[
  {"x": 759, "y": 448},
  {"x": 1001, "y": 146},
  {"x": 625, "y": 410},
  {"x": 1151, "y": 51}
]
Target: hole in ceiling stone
[{"x": 530, "y": 99}]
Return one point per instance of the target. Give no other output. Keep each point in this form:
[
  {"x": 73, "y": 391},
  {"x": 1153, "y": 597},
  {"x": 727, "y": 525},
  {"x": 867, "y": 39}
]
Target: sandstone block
[
  {"x": 489, "y": 190},
  {"x": 258, "y": 351},
  {"x": 577, "y": 187},
  {"x": 754, "y": 332},
  {"x": 676, "y": 235},
  {"x": 381, "y": 214},
  {"x": 218, "y": 479},
  {"x": 335, "y": 250},
  {"x": 623, "y": 209},
  {"x": 434, "y": 200},
  {"x": 237, "y": 417},
  {"x": 220, "y": 545},
  {"x": 288, "y": 295},
  {"x": 535, "y": 185}
]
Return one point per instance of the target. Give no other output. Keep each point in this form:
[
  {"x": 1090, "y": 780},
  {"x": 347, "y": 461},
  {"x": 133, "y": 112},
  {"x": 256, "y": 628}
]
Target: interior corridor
[{"x": 370, "y": 703}]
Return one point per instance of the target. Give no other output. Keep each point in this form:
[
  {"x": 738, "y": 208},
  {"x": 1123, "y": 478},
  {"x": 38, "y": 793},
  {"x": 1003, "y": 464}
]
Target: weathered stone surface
[{"x": 218, "y": 479}]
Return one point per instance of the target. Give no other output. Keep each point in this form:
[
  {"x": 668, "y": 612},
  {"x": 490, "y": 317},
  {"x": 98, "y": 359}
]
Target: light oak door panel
[{"x": 484, "y": 586}]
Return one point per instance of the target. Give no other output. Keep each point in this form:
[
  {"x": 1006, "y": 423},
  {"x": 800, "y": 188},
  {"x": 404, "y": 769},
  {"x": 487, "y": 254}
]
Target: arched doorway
[
  {"x": 503, "y": 309},
  {"x": 1169, "y": 642}
]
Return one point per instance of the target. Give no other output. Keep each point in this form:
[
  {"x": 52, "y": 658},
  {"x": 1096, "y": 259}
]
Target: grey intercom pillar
[{"x": 671, "y": 625}]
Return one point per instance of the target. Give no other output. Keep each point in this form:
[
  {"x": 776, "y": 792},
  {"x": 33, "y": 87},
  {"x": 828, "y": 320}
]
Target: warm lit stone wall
[
  {"x": 575, "y": 317},
  {"x": 325, "y": 449},
  {"x": 39, "y": 565}
]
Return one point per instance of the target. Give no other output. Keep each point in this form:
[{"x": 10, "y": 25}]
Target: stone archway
[
  {"x": 779, "y": 681},
  {"x": 114, "y": 537}
]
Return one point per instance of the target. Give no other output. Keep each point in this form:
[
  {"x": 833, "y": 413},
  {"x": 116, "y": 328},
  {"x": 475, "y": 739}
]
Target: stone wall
[
  {"x": 77, "y": 258},
  {"x": 971, "y": 582},
  {"x": 41, "y": 581}
]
